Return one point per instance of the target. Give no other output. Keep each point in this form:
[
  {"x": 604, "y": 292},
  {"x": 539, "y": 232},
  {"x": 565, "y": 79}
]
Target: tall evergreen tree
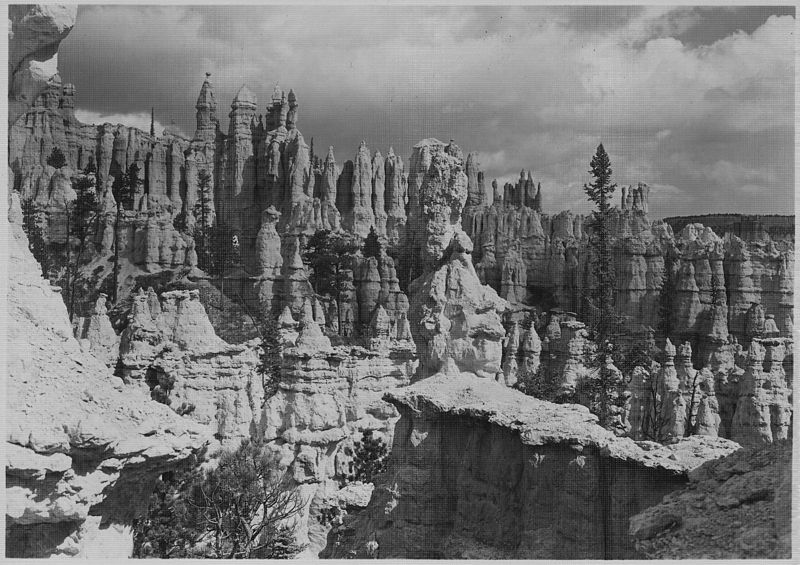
[
  {"x": 83, "y": 222},
  {"x": 123, "y": 189},
  {"x": 56, "y": 158},
  {"x": 603, "y": 391},
  {"x": 329, "y": 254},
  {"x": 32, "y": 219},
  {"x": 223, "y": 253},
  {"x": 372, "y": 245},
  {"x": 202, "y": 213}
]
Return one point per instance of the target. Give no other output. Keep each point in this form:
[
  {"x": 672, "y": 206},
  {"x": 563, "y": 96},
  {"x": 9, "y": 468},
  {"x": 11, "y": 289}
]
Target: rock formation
[
  {"x": 396, "y": 189},
  {"x": 361, "y": 216},
  {"x": 736, "y": 507},
  {"x": 269, "y": 258},
  {"x": 35, "y": 32},
  {"x": 325, "y": 398},
  {"x": 83, "y": 451},
  {"x": 98, "y": 333},
  {"x": 481, "y": 471},
  {"x": 763, "y": 411},
  {"x": 455, "y": 320},
  {"x": 175, "y": 321},
  {"x": 526, "y": 255}
]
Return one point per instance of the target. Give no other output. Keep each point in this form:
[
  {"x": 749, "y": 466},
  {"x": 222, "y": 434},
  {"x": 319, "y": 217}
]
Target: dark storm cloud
[{"x": 678, "y": 97}]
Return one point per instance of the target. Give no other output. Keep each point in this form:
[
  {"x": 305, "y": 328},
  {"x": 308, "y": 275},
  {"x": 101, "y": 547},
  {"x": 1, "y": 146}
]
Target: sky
[{"x": 696, "y": 102}]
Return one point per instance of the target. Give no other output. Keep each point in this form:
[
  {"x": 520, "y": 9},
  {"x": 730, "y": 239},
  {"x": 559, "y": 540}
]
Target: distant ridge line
[{"x": 746, "y": 226}]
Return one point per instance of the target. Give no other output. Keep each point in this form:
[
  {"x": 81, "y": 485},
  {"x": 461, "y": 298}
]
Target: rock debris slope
[
  {"x": 738, "y": 507},
  {"x": 83, "y": 450}
]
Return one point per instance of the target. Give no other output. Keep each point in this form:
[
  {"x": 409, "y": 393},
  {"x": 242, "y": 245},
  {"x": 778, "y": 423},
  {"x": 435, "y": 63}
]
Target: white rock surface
[{"x": 84, "y": 451}]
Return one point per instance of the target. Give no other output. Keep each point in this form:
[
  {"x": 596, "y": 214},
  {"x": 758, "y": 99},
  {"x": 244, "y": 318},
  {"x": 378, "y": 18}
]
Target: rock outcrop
[
  {"x": 35, "y": 32},
  {"x": 455, "y": 320},
  {"x": 529, "y": 257},
  {"x": 83, "y": 451},
  {"x": 481, "y": 471},
  {"x": 176, "y": 320},
  {"x": 764, "y": 410},
  {"x": 736, "y": 507},
  {"x": 98, "y": 334},
  {"x": 326, "y": 397}
]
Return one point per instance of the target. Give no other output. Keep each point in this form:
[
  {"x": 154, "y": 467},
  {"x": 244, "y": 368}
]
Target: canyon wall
[
  {"x": 326, "y": 397},
  {"x": 543, "y": 260},
  {"x": 84, "y": 450},
  {"x": 35, "y": 32},
  {"x": 273, "y": 192},
  {"x": 479, "y": 470}
]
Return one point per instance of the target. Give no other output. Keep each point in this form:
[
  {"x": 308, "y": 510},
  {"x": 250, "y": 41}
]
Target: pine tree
[
  {"x": 243, "y": 505},
  {"x": 32, "y": 225},
  {"x": 372, "y": 245},
  {"x": 164, "y": 531},
  {"x": 123, "y": 189},
  {"x": 370, "y": 458},
  {"x": 202, "y": 214},
  {"x": 329, "y": 255},
  {"x": 269, "y": 358},
  {"x": 57, "y": 158},
  {"x": 605, "y": 390},
  {"x": 665, "y": 296},
  {"x": 222, "y": 253},
  {"x": 83, "y": 218}
]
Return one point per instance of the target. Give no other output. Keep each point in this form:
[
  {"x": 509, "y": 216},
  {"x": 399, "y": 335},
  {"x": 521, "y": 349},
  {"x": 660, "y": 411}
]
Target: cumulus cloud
[
  {"x": 527, "y": 87},
  {"x": 139, "y": 120}
]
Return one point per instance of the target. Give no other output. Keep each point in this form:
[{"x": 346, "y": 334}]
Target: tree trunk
[
  {"x": 339, "y": 302},
  {"x": 69, "y": 264},
  {"x": 116, "y": 253}
]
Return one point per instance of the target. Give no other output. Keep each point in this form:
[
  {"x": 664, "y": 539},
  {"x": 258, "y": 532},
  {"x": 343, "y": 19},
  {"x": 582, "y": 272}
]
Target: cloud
[
  {"x": 139, "y": 120},
  {"x": 527, "y": 87}
]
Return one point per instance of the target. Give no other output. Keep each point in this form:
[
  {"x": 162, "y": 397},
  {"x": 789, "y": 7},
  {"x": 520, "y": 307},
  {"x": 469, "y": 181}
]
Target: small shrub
[
  {"x": 56, "y": 158},
  {"x": 371, "y": 455}
]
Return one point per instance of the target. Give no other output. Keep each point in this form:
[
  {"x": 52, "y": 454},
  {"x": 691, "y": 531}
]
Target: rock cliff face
[
  {"x": 736, "y": 507},
  {"x": 170, "y": 351},
  {"x": 482, "y": 471},
  {"x": 35, "y": 32},
  {"x": 263, "y": 183},
  {"x": 83, "y": 450},
  {"x": 529, "y": 257},
  {"x": 326, "y": 397},
  {"x": 537, "y": 259},
  {"x": 96, "y": 333},
  {"x": 455, "y": 320}
]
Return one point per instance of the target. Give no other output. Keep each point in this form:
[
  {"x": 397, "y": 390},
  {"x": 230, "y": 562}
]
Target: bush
[
  {"x": 371, "y": 457},
  {"x": 57, "y": 158},
  {"x": 239, "y": 510},
  {"x": 164, "y": 531}
]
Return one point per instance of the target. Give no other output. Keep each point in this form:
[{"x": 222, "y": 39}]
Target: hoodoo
[{"x": 377, "y": 351}]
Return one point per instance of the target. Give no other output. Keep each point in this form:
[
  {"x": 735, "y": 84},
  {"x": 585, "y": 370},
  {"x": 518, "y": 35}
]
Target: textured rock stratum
[
  {"x": 35, "y": 32},
  {"x": 482, "y": 471},
  {"x": 455, "y": 320},
  {"x": 737, "y": 507},
  {"x": 479, "y": 470},
  {"x": 326, "y": 397},
  {"x": 83, "y": 450}
]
